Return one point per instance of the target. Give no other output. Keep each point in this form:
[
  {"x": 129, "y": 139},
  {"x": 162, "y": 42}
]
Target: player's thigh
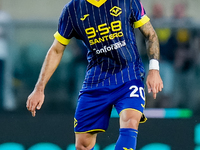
[
  {"x": 93, "y": 111},
  {"x": 130, "y": 118},
  {"x": 85, "y": 140},
  {"x": 130, "y": 104}
]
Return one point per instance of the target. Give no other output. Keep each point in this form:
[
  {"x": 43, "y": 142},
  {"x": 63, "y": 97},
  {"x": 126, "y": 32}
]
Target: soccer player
[{"x": 115, "y": 71}]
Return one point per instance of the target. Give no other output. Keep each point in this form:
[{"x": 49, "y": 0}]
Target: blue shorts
[{"x": 95, "y": 105}]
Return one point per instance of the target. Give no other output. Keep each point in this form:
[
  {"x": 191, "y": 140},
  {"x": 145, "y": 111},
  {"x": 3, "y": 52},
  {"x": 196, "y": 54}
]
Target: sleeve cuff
[
  {"x": 61, "y": 39},
  {"x": 141, "y": 22}
]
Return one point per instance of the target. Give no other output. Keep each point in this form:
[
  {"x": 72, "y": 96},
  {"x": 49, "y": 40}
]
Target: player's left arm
[{"x": 154, "y": 81}]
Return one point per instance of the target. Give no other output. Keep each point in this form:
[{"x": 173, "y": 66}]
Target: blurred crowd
[
  {"x": 179, "y": 37},
  {"x": 7, "y": 99}
]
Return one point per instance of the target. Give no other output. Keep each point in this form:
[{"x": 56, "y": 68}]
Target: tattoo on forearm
[{"x": 152, "y": 43}]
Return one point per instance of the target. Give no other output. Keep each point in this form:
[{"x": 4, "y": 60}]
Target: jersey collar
[{"x": 97, "y": 3}]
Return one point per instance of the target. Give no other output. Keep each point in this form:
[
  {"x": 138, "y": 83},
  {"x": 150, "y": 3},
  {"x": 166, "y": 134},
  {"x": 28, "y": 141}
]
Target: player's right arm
[
  {"x": 51, "y": 62},
  {"x": 154, "y": 81}
]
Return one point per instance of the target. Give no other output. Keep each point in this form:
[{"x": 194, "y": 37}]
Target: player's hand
[
  {"x": 154, "y": 82},
  {"x": 35, "y": 101}
]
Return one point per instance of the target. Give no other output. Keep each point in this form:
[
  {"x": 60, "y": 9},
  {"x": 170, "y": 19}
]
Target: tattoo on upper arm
[{"x": 152, "y": 42}]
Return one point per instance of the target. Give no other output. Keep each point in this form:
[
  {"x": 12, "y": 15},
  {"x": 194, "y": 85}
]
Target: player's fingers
[
  {"x": 160, "y": 87},
  {"x": 148, "y": 87},
  {"x": 154, "y": 88},
  {"x": 32, "y": 110},
  {"x": 33, "y": 113},
  {"x": 39, "y": 105},
  {"x": 155, "y": 91},
  {"x": 154, "y": 95},
  {"x": 27, "y": 104},
  {"x": 32, "y": 106}
]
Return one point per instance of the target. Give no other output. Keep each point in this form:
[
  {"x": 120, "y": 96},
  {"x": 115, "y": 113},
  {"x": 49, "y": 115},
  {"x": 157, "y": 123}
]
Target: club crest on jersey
[{"x": 115, "y": 11}]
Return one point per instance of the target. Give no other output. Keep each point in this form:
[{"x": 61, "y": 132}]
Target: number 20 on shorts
[{"x": 134, "y": 93}]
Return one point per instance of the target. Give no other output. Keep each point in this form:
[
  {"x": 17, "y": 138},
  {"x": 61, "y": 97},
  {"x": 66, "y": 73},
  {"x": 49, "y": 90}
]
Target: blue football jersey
[{"x": 106, "y": 28}]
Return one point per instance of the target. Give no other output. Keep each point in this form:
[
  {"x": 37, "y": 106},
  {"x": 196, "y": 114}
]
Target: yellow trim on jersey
[
  {"x": 97, "y": 3},
  {"x": 141, "y": 22},
  {"x": 61, "y": 39},
  {"x": 94, "y": 130}
]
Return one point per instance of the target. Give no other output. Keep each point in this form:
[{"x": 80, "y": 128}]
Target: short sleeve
[
  {"x": 65, "y": 28},
  {"x": 139, "y": 15}
]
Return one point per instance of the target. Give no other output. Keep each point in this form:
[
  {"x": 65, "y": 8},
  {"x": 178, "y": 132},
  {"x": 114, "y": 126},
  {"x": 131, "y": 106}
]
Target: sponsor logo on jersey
[
  {"x": 84, "y": 17},
  {"x": 106, "y": 38},
  {"x": 115, "y": 11},
  {"x": 104, "y": 32},
  {"x": 111, "y": 47}
]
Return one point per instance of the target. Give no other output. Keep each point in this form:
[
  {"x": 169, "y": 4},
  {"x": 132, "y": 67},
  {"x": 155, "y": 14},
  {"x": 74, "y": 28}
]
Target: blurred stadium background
[{"x": 26, "y": 33}]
